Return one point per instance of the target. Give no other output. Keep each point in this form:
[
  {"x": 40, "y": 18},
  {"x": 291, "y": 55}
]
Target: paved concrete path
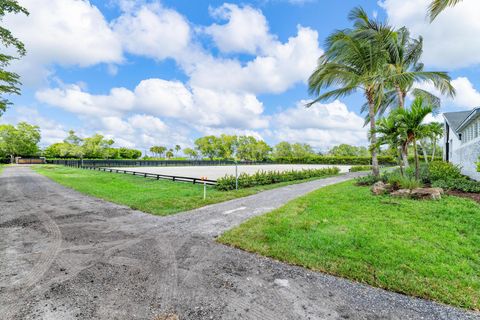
[{"x": 64, "y": 255}]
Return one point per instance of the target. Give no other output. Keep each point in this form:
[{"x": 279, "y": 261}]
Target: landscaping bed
[
  {"x": 468, "y": 195},
  {"x": 427, "y": 249}
]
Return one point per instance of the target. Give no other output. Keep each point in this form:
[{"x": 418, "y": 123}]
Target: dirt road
[{"x": 64, "y": 255}]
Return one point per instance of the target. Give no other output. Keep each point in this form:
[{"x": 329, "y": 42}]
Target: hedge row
[
  {"x": 360, "y": 168},
  {"x": 359, "y": 161},
  {"x": 269, "y": 177}
]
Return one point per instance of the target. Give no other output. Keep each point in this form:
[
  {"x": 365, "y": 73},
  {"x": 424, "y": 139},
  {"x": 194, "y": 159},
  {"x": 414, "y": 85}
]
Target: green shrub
[
  {"x": 441, "y": 170},
  {"x": 269, "y": 177},
  {"x": 360, "y": 168},
  {"x": 409, "y": 183},
  {"x": 460, "y": 184},
  {"x": 393, "y": 178},
  {"x": 366, "y": 180}
]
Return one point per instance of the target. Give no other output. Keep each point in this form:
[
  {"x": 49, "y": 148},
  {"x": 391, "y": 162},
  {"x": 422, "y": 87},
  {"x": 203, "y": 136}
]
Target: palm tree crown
[{"x": 437, "y": 6}]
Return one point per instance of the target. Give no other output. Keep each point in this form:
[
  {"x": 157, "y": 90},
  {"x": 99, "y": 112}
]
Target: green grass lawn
[
  {"x": 429, "y": 249},
  {"x": 160, "y": 197}
]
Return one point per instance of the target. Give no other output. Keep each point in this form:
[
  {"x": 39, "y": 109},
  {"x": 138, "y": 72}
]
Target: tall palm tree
[
  {"x": 411, "y": 123},
  {"x": 437, "y": 6},
  {"x": 403, "y": 65},
  {"x": 351, "y": 63}
]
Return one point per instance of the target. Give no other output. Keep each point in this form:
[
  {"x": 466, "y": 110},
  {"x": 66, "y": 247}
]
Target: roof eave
[{"x": 467, "y": 119}]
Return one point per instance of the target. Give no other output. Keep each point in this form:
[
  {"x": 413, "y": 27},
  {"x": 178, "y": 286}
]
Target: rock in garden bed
[
  {"x": 419, "y": 193},
  {"x": 402, "y": 193},
  {"x": 379, "y": 188},
  {"x": 427, "y": 193}
]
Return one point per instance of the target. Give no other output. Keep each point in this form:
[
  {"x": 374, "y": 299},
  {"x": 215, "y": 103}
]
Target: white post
[
  {"x": 236, "y": 175},
  {"x": 204, "y": 190}
]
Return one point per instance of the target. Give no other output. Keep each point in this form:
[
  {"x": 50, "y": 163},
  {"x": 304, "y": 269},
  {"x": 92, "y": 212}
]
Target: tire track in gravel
[
  {"x": 130, "y": 265},
  {"x": 22, "y": 286}
]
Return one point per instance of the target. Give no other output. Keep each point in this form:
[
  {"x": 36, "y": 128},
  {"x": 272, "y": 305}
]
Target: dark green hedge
[
  {"x": 357, "y": 161},
  {"x": 269, "y": 177}
]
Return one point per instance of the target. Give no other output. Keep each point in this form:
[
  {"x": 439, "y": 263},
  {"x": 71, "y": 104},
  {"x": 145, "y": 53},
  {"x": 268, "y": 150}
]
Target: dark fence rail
[
  {"x": 155, "y": 176},
  {"x": 147, "y": 163}
]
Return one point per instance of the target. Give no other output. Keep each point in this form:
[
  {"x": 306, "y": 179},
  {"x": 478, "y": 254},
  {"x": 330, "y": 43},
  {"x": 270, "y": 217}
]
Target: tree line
[{"x": 94, "y": 147}]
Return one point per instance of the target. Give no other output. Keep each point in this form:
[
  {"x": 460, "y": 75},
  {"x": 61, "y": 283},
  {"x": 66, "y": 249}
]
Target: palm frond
[{"x": 437, "y": 6}]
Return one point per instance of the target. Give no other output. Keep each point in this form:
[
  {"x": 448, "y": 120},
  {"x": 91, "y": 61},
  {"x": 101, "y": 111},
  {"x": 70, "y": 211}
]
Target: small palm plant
[
  {"x": 390, "y": 134},
  {"x": 412, "y": 126},
  {"x": 437, "y": 132}
]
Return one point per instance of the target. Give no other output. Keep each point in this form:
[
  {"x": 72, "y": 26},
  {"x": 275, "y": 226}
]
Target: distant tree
[
  {"x": 191, "y": 153},
  {"x": 301, "y": 150},
  {"x": 208, "y": 146},
  {"x": 111, "y": 153},
  {"x": 72, "y": 138},
  {"x": 9, "y": 81},
  {"x": 283, "y": 150},
  {"x": 95, "y": 147},
  {"x": 346, "y": 150},
  {"x": 177, "y": 149},
  {"x": 261, "y": 151},
  {"x": 21, "y": 140},
  {"x": 169, "y": 154},
  {"x": 158, "y": 151},
  {"x": 54, "y": 150},
  {"x": 125, "y": 153},
  {"x": 226, "y": 146},
  {"x": 251, "y": 149}
]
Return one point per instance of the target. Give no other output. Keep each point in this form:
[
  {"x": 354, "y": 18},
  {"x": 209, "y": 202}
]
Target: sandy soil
[
  {"x": 64, "y": 255},
  {"x": 215, "y": 172}
]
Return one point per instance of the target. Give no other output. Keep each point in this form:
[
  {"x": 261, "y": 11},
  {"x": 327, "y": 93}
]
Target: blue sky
[{"x": 166, "y": 72}]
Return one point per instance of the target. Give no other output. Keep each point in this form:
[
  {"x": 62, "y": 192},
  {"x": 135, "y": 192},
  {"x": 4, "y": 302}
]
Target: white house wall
[{"x": 467, "y": 156}]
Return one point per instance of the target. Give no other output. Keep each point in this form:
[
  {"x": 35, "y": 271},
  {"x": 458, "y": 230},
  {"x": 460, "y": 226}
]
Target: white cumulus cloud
[
  {"x": 64, "y": 32},
  {"x": 450, "y": 41},
  {"x": 321, "y": 125},
  {"x": 153, "y": 31},
  {"x": 246, "y": 29}
]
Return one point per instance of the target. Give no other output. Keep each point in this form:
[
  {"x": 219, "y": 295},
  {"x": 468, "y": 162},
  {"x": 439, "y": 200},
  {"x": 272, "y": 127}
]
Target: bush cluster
[
  {"x": 366, "y": 180},
  {"x": 439, "y": 174},
  {"x": 360, "y": 168},
  {"x": 393, "y": 178},
  {"x": 461, "y": 184},
  {"x": 441, "y": 170},
  {"x": 269, "y": 177}
]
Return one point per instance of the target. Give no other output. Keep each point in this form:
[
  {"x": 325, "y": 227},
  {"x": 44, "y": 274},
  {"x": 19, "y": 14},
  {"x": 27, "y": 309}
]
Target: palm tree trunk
[
  {"x": 401, "y": 99},
  {"x": 401, "y": 105},
  {"x": 373, "y": 139},
  {"x": 405, "y": 154},
  {"x": 400, "y": 160},
  {"x": 434, "y": 149},
  {"x": 417, "y": 171}
]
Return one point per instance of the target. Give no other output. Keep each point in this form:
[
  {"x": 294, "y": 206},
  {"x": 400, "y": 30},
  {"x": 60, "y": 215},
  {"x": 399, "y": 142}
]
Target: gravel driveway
[{"x": 64, "y": 255}]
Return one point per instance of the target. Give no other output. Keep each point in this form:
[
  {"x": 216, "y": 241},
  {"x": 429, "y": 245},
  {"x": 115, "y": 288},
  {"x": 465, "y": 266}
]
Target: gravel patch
[{"x": 64, "y": 255}]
